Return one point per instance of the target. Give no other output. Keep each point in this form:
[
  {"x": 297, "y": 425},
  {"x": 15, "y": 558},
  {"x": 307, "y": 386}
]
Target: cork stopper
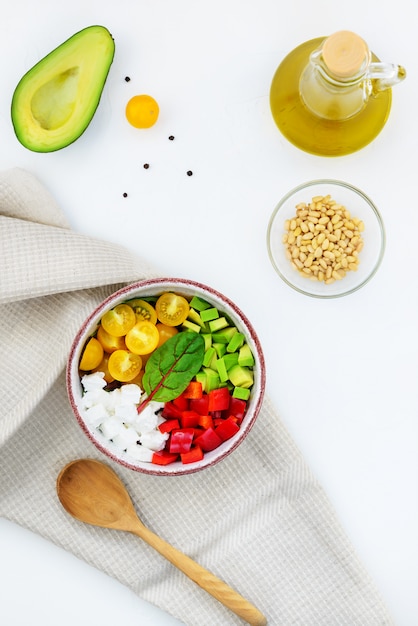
[{"x": 344, "y": 53}]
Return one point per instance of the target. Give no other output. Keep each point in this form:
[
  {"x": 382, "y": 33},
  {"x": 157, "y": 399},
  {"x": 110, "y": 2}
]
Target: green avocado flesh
[{"x": 55, "y": 101}]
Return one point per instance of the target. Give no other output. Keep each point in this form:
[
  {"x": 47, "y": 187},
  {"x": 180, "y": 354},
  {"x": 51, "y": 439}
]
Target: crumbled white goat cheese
[{"x": 115, "y": 414}]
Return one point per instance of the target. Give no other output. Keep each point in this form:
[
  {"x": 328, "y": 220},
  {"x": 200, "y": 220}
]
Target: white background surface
[{"x": 343, "y": 373}]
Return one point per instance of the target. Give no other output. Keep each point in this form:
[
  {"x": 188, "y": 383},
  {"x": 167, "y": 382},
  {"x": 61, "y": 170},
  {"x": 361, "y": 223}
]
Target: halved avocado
[{"x": 55, "y": 101}]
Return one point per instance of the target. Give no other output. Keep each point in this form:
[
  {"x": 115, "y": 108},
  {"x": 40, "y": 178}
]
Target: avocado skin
[{"x": 68, "y": 82}]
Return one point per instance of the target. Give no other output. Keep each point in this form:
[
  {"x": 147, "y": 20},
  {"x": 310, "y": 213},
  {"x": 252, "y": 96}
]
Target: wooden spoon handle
[{"x": 205, "y": 579}]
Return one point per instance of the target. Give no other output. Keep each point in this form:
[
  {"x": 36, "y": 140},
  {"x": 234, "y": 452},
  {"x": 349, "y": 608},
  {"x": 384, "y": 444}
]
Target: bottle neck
[
  {"x": 317, "y": 61},
  {"x": 329, "y": 98}
]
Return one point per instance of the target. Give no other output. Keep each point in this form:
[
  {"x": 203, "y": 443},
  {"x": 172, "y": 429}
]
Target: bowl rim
[
  {"x": 86, "y": 330},
  {"x": 350, "y": 187}
]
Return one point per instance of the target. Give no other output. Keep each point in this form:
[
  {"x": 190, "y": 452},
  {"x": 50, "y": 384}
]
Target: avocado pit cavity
[{"x": 54, "y": 102}]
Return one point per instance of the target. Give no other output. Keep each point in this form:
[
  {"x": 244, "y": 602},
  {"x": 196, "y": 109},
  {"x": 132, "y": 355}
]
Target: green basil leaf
[{"x": 172, "y": 366}]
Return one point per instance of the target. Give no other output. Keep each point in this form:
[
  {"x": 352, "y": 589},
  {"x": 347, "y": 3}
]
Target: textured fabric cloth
[{"x": 259, "y": 519}]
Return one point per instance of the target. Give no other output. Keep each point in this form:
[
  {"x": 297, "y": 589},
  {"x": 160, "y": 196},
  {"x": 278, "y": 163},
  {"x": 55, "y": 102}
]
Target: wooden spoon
[{"x": 91, "y": 492}]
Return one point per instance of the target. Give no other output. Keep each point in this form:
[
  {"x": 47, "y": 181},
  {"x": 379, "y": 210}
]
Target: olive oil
[{"x": 314, "y": 134}]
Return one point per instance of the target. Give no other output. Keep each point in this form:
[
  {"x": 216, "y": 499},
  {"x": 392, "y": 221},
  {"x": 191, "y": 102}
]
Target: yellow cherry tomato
[
  {"x": 143, "y": 310},
  {"x": 142, "y": 338},
  {"x": 138, "y": 379},
  {"x": 142, "y": 111},
  {"x": 119, "y": 320},
  {"x": 109, "y": 342},
  {"x": 104, "y": 367},
  {"x": 165, "y": 332},
  {"x": 172, "y": 309},
  {"x": 124, "y": 366},
  {"x": 92, "y": 355}
]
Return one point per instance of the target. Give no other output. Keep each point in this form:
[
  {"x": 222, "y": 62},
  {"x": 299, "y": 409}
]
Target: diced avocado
[
  {"x": 224, "y": 335},
  {"x": 210, "y": 358},
  {"x": 55, "y": 101},
  {"x": 199, "y": 304},
  {"x": 241, "y": 393},
  {"x": 230, "y": 360},
  {"x": 201, "y": 378},
  {"x": 241, "y": 376},
  {"x": 224, "y": 364},
  {"x": 220, "y": 349},
  {"x": 194, "y": 317},
  {"x": 208, "y": 340},
  {"x": 209, "y": 314},
  {"x": 212, "y": 379},
  {"x": 245, "y": 356},
  {"x": 235, "y": 342},
  {"x": 217, "y": 324},
  {"x": 188, "y": 325},
  {"x": 222, "y": 371}
]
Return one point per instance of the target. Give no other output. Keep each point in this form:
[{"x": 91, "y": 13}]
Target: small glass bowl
[{"x": 359, "y": 206}]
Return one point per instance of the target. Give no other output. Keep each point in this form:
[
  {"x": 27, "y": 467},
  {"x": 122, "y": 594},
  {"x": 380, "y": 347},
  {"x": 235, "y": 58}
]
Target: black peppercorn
[
  {"x": 189, "y": 173},
  {"x": 171, "y": 138},
  {"x": 146, "y": 166},
  {"x": 127, "y": 79},
  {"x": 125, "y": 195}
]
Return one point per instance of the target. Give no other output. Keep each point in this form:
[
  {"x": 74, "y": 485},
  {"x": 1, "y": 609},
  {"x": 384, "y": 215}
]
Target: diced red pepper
[
  {"x": 168, "y": 425},
  {"x": 194, "y": 454},
  {"x": 208, "y": 440},
  {"x": 181, "y": 440},
  {"x": 181, "y": 402},
  {"x": 189, "y": 419},
  {"x": 219, "y": 399},
  {"x": 194, "y": 390},
  {"x": 205, "y": 421},
  {"x": 227, "y": 429},
  {"x": 200, "y": 405},
  {"x": 163, "y": 457},
  {"x": 171, "y": 411},
  {"x": 198, "y": 422},
  {"x": 237, "y": 407}
]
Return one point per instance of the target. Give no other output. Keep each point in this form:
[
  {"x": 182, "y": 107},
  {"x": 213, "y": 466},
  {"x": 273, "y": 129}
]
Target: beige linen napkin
[{"x": 259, "y": 520}]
